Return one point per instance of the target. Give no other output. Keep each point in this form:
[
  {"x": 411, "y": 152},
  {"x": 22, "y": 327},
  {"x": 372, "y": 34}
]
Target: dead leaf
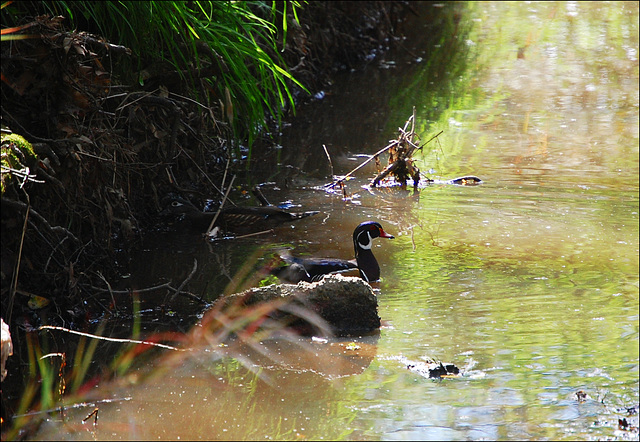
[{"x": 66, "y": 44}]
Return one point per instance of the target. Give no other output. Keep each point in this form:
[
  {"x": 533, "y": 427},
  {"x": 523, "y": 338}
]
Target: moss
[{"x": 16, "y": 151}]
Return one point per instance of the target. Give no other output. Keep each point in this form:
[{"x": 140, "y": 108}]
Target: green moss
[{"x": 16, "y": 151}]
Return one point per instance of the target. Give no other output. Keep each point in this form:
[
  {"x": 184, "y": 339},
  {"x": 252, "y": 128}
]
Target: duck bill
[{"x": 384, "y": 234}]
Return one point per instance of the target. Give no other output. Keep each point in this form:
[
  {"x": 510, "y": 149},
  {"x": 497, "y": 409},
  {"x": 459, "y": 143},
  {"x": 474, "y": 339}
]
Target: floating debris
[{"x": 400, "y": 167}]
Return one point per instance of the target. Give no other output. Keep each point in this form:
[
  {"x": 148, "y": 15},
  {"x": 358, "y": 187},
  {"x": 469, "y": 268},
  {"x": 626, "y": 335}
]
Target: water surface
[{"x": 529, "y": 281}]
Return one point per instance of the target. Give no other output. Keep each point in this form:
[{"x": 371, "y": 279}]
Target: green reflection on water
[
  {"x": 534, "y": 274},
  {"x": 547, "y": 86}
]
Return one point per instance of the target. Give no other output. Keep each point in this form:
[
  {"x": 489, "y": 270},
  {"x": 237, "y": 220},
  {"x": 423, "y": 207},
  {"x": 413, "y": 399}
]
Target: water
[{"x": 529, "y": 281}]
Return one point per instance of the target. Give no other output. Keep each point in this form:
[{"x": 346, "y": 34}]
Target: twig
[
  {"x": 51, "y": 179},
  {"x": 262, "y": 232},
  {"x": 104, "y": 338},
  {"x": 166, "y": 285},
  {"x": 124, "y": 292},
  {"x": 405, "y": 137},
  {"x": 260, "y": 196},
  {"x": 224, "y": 175},
  {"x": 16, "y": 272},
  {"x": 413, "y": 121},
  {"x": 73, "y": 406},
  {"x": 213, "y": 221},
  {"x": 117, "y": 49},
  {"x": 329, "y": 158},
  {"x": 385, "y": 172},
  {"x": 411, "y": 118},
  {"x": 413, "y": 241},
  {"x": 431, "y": 139},
  {"x": 191, "y": 100},
  {"x": 53, "y": 250},
  {"x": 113, "y": 300},
  {"x": 188, "y": 278},
  {"x": 22, "y": 173},
  {"x": 93, "y": 413},
  {"x": 141, "y": 95},
  {"x": 190, "y": 295},
  {"x": 333, "y": 184}
]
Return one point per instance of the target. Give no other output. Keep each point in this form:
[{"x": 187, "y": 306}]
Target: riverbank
[{"x": 107, "y": 152}]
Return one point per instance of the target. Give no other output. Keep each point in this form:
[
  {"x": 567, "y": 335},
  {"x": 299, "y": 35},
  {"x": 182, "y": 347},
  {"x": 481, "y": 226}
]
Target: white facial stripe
[{"x": 366, "y": 246}]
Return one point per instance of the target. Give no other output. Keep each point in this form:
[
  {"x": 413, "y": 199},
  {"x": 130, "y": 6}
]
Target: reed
[
  {"x": 241, "y": 42},
  {"x": 58, "y": 381}
]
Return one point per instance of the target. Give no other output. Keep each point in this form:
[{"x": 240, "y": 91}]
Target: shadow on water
[
  {"x": 366, "y": 106},
  {"x": 352, "y": 118},
  {"x": 530, "y": 278}
]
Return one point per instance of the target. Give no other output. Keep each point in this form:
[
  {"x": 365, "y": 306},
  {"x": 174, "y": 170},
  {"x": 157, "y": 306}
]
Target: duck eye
[{"x": 175, "y": 204}]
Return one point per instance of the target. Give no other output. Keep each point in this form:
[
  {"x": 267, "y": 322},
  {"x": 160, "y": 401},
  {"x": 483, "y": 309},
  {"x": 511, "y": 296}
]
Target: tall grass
[
  {"x": 226, "y": 330},
  {"x": 241, "y": 41}
]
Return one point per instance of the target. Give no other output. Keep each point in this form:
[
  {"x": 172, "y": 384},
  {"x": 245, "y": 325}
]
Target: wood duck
[
  {"x": 180, "y": 212},
  {"x": 312, "y": 269}
]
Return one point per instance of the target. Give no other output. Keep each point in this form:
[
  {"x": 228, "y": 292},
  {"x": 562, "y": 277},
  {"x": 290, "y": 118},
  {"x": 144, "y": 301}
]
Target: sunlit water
[{"x": 529, "y": 282}]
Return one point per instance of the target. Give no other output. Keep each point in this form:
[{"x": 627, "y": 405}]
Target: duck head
[
  {"x": 366, "y": 231},
  {"x": 363, "y": 237}
]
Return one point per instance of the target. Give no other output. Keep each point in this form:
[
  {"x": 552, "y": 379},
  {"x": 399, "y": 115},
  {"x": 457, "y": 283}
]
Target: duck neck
[{"x": 367, "y": 263}]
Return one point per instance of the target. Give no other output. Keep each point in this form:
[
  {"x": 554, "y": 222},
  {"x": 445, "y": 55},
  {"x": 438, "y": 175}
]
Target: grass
[
  {"x": 56, "y": 381},
  {"x": 240, "y": 42}
]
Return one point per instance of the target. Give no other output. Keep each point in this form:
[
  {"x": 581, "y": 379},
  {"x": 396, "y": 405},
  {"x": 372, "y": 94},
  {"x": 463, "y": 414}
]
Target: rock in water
[{"x": 346, "y": 303}]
